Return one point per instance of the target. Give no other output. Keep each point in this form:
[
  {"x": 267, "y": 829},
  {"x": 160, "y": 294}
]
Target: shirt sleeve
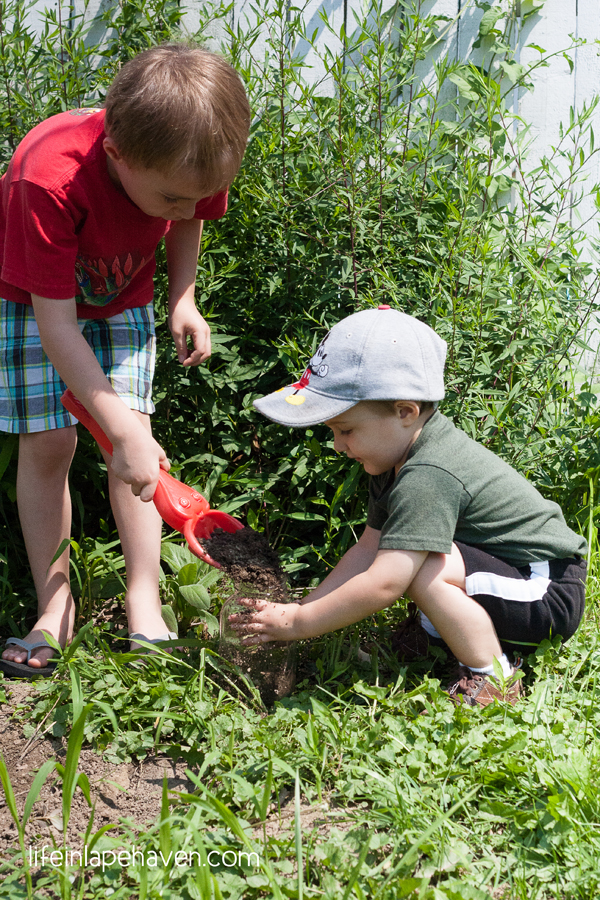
[
  {"x": 213, "y": 207},
  {"x": 377, "y": 511},
  {"x": 41, "y": 242},
  {"x": 423, "y": 509}
]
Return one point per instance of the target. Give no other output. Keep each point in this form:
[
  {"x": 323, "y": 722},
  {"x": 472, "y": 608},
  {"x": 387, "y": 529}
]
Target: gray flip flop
[
  {"x": 138, "y": 636},
  {"x": 22, "y": 670}
]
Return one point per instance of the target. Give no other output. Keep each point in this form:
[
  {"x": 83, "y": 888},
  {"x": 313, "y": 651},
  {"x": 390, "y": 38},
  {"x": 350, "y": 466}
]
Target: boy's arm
[
  {"x": 354, "y": 561},
  {"x": 136, "y": 455},
  {"x": 390, "y": 574},
  {"x": 182, "y": 243}
]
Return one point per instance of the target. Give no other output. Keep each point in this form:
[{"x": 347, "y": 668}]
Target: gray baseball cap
[{"x": 376, "y": 354}]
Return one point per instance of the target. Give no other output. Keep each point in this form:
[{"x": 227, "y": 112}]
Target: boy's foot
[
  {"x": 475, "y": 689},
  {"x": 151, "y": 627},
  {"x": 135, "y": 636},
  {"x": 411, "y": 641},
  {"x": 38, "y": 658}
]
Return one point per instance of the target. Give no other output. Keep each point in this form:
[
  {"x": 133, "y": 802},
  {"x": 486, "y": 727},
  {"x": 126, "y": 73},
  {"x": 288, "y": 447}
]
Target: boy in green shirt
[{"x": 490, "y": 564}]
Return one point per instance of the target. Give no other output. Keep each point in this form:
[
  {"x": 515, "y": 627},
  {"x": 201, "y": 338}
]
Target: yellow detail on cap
[
  {"x": 279, "y": 391},
  {"x": 295, "y": 399}
]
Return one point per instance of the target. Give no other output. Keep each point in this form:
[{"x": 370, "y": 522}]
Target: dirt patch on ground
[
  {"x": 321, "y": 817},
  {"x": 130, "y": 790},
  {"x": 255, "y": 570}
]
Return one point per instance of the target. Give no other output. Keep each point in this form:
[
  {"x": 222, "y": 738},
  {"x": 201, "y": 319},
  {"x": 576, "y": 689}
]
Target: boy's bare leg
[
  {"x": 44, "y": 507},
  {"x": 139, "y": 526},
  {"x": 439, "y": 591}
]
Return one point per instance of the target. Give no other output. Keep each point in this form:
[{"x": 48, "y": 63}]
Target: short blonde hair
[{"x": 177, "y": 106}]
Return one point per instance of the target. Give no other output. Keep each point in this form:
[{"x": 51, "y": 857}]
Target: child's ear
[
  {"x": 111, "y": 149},
  {"x": 408, "y": 411}
]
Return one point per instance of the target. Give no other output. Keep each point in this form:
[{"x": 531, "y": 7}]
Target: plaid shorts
[{"x": 30, "y": 387}]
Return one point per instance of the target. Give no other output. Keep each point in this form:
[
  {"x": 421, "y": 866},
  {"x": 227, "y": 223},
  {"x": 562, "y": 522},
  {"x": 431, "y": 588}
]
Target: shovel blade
[{"x": 207, "y": 523}]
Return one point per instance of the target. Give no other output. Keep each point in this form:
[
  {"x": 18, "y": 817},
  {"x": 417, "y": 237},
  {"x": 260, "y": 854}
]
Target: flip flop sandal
[
  {"x": 22, "y": 670},
  {"x": 137, "y": 636}
]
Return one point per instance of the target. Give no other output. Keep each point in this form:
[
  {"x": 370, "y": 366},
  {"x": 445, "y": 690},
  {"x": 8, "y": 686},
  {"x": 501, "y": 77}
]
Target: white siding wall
[{"x": 557, "y": 88}]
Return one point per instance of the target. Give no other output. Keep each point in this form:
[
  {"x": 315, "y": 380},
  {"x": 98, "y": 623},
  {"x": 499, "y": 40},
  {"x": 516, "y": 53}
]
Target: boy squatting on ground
[
  {"x": 491, "y": 564},
  {"x": 86, "y": 199}
]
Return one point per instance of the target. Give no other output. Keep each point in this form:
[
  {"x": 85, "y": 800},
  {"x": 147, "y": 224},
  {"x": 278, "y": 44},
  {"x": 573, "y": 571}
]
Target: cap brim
[{"x": 300, "y": 408}]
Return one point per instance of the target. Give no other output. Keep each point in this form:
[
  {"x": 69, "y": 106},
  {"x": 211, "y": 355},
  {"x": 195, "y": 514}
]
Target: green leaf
[
  {"x": 69, "y": 652},
  {"x": 196, "y": 595},
  {"x": 70, "y": 778},
  {"x": 67, "y": 542},
  {"x": 9, "y": 795},
  {"x": 36, "y": 786},
  {"x": 489, "y": 19},
  {"x": 513, "y": 70},
  {"x": 83, "y": 783},
  {"x": 9, "y": 444},
  {"x": 211, "y": 622},
  {"x": 76, "y": 693},
  {"x": 169, "y": 618},
  {"x": 176, "y": 556},
  {"x": 188, "y": 574},
  {"x": 165, "y": 825},
  {"x": 464, "y": 88},
  {"x": 109, "y": 712}
]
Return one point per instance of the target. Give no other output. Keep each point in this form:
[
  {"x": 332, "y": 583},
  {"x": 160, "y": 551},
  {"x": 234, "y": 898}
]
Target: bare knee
[
  {"x": 47, "y": 452},
  {"x": 438, "y": 570}
]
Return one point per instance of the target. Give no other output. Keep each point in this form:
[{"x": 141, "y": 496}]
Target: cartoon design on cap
[{"x": 316, "y": 366}]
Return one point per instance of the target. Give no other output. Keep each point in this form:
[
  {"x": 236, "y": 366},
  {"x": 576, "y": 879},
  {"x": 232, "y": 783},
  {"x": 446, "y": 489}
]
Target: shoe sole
[{"x": 22, "y": 670}]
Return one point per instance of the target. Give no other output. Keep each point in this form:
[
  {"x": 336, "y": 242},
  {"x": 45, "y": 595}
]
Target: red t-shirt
[{"x": 66, "y": 230}]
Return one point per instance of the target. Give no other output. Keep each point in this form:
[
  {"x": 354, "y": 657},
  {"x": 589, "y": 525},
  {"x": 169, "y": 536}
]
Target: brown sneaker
[
  {"x": 411, "y": 641},
  {"x": 475, "y": 689}
]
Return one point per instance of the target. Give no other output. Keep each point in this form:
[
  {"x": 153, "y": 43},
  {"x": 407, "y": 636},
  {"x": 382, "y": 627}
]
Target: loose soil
[
  {"x": 255, "y": 570},
  {"x": 250, "y": 562},
  {"x": 128, "y": 791}
]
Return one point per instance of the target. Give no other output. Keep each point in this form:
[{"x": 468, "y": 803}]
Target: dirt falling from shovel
[{"x": 255, "y": 570}]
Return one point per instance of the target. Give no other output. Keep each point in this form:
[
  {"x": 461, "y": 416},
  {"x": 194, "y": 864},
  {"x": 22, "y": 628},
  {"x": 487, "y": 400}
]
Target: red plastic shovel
[{"x": 181, "y": 507}]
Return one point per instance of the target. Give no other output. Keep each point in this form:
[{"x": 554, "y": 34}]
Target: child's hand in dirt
[{"x": 266, "y": 621}]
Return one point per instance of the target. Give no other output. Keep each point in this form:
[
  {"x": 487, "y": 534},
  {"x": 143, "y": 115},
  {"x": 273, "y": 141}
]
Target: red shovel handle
[{"x": 182, "y": 508}]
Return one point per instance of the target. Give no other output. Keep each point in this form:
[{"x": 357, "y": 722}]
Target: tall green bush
[
  {"x": 373, "y": 187},
  {"x": 370, "y": 186}
]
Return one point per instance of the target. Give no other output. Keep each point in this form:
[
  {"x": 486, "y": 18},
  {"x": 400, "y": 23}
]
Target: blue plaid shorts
[{"x": 30, "y": 387}]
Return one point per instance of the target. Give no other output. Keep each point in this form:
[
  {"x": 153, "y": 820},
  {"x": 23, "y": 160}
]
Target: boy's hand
[
  {"x": 137, "y": 459},
  {"x": 267, "y": 622},
  {"x": 186, "y": 322}
]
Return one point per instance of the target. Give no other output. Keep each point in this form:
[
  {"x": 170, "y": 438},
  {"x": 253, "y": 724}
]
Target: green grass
[{"x": 422, "y": 799}]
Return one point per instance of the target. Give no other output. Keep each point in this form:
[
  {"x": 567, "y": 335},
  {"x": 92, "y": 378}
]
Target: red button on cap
[{"x": 384, "y": 306}]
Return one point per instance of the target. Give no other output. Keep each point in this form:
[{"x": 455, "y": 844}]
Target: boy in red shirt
[{"x": 87, "y": 197}]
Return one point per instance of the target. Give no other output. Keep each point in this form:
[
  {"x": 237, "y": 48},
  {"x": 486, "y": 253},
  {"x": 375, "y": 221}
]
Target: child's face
[
  {"x": 377, "y": 438},
  {"x": 171, "y": 197}
]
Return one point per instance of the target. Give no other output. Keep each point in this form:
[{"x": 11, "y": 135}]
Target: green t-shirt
[{"x": 451, "y": 488}]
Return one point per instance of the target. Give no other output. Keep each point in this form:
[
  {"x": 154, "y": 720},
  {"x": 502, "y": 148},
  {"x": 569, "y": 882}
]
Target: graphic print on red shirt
[
  {"x": 100, "y": 281},
  {"x": 66, "y": 230}
]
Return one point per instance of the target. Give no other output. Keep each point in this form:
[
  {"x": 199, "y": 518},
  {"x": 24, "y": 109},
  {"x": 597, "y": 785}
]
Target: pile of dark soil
[
  {"x": 256, "y": 572},
  {"x": 250, "y": 563}
]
